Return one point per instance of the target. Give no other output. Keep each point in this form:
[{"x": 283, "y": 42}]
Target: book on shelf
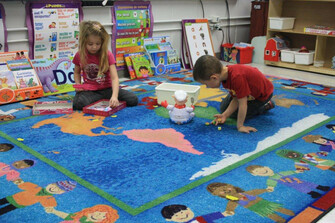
[
  {"x": 7, "y": 80},
  {"x": 26, "y": 78},
  {"x": 318, "y": 29},
  {"x": 141, "y": 65},
  {"x": 172, "y": 56}
]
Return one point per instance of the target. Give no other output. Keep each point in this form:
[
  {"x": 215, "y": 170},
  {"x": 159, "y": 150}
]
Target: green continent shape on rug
[{"x": 168, "y": 137}]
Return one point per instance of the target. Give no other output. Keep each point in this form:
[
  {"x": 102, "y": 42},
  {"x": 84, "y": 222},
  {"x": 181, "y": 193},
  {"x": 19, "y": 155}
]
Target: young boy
[{"x": 250, "y": 91}]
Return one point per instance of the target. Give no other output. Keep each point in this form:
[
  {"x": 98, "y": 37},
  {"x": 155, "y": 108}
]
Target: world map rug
[{"x": 138, "y": 166}]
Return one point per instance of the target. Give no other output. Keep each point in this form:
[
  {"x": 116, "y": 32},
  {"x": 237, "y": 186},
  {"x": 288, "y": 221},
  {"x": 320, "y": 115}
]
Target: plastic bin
[
  {"x": 239, "y": 55},
  {"x": 166, "y": 90},
  {"x": 281, "y": 22},
  {"x": 288, "y": 55},
  {"x": 304, "y": 58}
]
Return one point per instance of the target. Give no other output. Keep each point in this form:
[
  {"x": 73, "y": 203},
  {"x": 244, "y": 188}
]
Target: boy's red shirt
[{"x": 246, "y": 81}]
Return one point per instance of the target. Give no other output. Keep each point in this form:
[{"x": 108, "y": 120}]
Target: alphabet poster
[
  {"x": 53, "y": 28},
  {"x": 132, "y": 23},
  {"x": 197, "y": 40},
  {"x": 3, "y": 30}
]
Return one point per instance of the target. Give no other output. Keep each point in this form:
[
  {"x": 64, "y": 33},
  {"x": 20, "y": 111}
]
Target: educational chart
[
  {"x": 3, "y": 30},
  {"x": 133, "y": 22},
  {"x": 54, "y": 29},
  {"x": 197, "y": 39}
]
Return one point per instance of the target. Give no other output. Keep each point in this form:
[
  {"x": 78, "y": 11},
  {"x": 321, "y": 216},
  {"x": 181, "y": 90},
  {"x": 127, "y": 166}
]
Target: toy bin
[
  {"x": 288, "y": 55},
  {"x": 236, "y": 54},
  {"x": 304, "y": 58},
  {"x": 166, "y": 90},
  {"x": 281, "y": 22}
]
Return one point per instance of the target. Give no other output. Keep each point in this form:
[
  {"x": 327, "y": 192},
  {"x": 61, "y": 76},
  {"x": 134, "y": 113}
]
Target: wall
[{"x": 167, "y": 19}]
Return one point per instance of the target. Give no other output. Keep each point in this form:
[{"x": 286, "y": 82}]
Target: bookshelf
[{"x": 306, "y": 13}]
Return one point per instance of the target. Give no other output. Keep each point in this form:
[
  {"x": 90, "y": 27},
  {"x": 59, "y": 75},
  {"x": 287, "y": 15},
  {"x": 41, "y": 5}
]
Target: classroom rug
[{"x": 137, "y": 166}]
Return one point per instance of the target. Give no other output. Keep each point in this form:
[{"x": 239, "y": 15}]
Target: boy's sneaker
[{"x": 269, "y": 105}]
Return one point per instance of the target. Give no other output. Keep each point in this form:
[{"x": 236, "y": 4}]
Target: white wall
[{"x": 167, "y": 19}]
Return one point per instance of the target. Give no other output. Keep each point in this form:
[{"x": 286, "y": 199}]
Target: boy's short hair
[
  {"x": 168, "y": 211},
  {"x": 205, "y": 67}
]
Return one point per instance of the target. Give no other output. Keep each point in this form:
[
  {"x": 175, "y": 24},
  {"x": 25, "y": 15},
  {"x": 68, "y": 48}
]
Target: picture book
[
  {"x": 159, "y": 57},
  {"x": 128, "y": 61},
  {"x": 172, "y": 56},
  {"x": 26, "y": 78},
  {"x": 7, "y": 79},
  {"x": 152, "y": 47},
  {"x": 22, "y": 64},
  {"x": 141, "y": 65},
  {"x": 165, "y": 46}
]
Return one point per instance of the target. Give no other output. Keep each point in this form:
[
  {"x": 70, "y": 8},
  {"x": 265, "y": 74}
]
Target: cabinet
[
  {"x": 306, "y": 13},
  {"x": 258, "y": 18}
]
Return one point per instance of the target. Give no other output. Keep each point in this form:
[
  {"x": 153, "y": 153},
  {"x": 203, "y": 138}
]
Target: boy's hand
[
  {"x": 219, "y": 119},
  {"x": 246, "y": 129},
  {"x": 113, "y": 102}
]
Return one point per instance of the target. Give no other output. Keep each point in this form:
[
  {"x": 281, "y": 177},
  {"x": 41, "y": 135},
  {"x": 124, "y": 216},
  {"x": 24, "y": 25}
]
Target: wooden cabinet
[
  {"x": 306, "y": 13},
  {"x": 258, "y": 18}
]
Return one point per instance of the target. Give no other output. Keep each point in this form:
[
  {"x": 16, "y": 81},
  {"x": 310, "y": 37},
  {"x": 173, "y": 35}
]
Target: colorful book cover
[
  {"x": 165, "y": 46},
  {"x": 127, "y": 59},
  {"x": 141, "y": 66},
  {"x": 26, "y": 78},
  {"x": 22, "y": 64},
  {"x": 152, "y": 47},
  {"x": 159, "y": 57},
  {"x": 7, "y": 80},
  {"x": 172, "y": 56}
]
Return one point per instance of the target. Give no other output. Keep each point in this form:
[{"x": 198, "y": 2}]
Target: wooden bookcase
[{"x": 306, "y": 13}]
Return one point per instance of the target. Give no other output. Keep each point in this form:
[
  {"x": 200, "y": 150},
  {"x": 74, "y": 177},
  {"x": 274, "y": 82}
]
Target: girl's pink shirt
[{"x": 90, "y": 70}]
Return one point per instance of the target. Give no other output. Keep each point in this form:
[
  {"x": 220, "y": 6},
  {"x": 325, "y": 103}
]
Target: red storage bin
[{"x": 240, "y": 55}]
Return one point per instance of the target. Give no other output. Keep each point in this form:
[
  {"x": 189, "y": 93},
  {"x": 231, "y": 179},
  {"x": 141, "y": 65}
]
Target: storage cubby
[{"x": 306, "y": 13}]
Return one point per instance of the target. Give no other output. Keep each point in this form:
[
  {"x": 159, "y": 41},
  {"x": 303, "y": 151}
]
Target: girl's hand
[
  {"x": 113, "y": 102},
  {"x": 246, "y": 129},
  {"x": 219, "y": 119}
]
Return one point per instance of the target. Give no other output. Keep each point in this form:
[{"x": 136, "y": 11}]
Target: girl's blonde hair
[{"x": 86, "y": 29}]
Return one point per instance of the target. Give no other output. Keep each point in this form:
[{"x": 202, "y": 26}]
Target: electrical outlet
[{"x": 215, "y": 20}]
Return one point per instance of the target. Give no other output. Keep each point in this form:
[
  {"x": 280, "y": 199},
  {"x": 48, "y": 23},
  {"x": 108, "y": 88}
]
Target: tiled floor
[{"x": 326, "y": 80}]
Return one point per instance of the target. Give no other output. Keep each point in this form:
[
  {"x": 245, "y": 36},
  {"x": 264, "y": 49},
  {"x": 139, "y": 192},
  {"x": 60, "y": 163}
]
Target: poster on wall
[
  {"x": 3, "y": 30},
  {"x": 197, "y": 41},
  {"x": 56, "y": 75},
  {"x": 53, "y": 28},
  {"x": 133, "y": 21}
]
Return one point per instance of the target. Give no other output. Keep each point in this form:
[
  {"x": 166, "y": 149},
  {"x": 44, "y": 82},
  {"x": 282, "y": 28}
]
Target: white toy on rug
[{"x": 179, "y": 113}]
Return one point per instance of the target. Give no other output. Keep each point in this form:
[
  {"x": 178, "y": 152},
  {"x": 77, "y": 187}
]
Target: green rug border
[{"x": 157, "y": 201}]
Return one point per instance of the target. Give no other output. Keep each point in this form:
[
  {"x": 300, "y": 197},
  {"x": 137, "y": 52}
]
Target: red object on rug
[{"x": 326, "y": 201}]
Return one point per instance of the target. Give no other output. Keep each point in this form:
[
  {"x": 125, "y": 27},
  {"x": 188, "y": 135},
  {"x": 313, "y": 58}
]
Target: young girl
[{"x": 97, "y": 64}]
